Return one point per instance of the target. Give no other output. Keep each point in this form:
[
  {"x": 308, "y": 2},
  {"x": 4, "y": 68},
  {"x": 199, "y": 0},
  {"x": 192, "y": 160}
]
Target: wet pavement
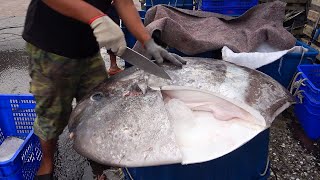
[
  {"x": 14, "y": 79},
  {"x": 14, "y": 76},
  {"x": 293, "y": 155}
]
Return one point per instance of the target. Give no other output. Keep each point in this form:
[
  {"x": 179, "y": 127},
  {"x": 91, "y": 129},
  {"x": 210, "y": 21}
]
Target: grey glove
[
  {"x": 159, "y": 54},
  {"x": 109, "y": 35}
]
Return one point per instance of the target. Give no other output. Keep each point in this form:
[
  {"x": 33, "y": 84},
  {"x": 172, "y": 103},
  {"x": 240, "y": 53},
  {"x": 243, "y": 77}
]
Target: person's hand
[
  {"x": 108, "y": 34},
  {"x": 160, "y": 54}
]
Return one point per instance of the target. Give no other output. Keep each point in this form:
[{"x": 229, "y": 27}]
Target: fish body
[{"x": 208, "y": 109}]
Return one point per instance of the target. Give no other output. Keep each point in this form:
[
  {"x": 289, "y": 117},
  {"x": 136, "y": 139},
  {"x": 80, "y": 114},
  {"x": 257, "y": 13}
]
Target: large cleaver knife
[{"x": 143, "y": 63}]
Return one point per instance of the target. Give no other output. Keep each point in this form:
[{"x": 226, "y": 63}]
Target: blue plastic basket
[
  {"x": 249, "y": 161},
  {"x": 284, "y": 69},
  {"x": 232, "y": 8},
  {"x": 184, "y": 4},
  {"x": 16, "y": 119},
  {"x": 311, "y": 76},
  {"x": 310, "y": 122}
]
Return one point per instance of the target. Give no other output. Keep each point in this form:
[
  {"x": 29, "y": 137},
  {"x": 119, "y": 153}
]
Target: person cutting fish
[{"x": 63, "y": 39}]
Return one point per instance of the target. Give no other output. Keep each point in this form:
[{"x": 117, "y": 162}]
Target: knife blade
[{"x": 143, "y": 63}]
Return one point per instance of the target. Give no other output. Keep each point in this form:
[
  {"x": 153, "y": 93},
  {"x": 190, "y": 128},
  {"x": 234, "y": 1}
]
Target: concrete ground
[{"x": 293, "y": 156}]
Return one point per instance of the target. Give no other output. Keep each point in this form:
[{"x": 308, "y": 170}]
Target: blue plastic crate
[
  {"x": 16, "y": 119},
  {"x": 311, "y": 76},
  {"x": 184, "y": 4},
  {"x": 230, "y": 11},
  {"x": 310, "y": 122},
  {"x": 249, "y": 161},
  {"x": 232, "y": 8},
  {"x": 284, "y": 69}
]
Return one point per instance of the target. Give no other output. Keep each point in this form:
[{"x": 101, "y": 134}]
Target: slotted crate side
[
  {"x": 32, "y": 158},
  {"x": 17, "y": 114},
  {"x": 25, "y": 162},
  {"x": 2, "y": 136},
  {"x": 16, "y": 119}
]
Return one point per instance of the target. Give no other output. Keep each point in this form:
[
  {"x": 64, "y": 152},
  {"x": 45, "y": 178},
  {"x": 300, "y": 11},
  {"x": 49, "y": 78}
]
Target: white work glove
[
  {"x": 160, "y": 54},
  {"x": 109, "y": 35}
]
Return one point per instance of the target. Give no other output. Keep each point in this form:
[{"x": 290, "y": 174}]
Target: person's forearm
[
  {"x": 130, "y": 16},
  {"x": 77, "y": 9}
]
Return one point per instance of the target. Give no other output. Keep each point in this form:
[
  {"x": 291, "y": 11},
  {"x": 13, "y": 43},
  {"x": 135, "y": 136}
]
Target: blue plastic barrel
[
  {"x": 249, "y": 161},
  {"x": 284, "y": 68}
]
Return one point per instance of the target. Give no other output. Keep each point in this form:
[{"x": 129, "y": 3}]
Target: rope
[
  {"x": 302, "y": 55},
  {"x": 296, "y": 85},
  {"x": 280, "y": 65},
  {"x": 131, "y": 178},
  {"x": 294, "y": 80},
  {"x": 300, "y": 96},
  {"x": 266, "y": 168},
  {"x": 301, "y": 58},
  {"x": 300, "y": 83}
]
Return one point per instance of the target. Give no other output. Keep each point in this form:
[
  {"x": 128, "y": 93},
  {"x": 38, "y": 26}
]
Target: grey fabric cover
[{"x": 193, "y": 32}]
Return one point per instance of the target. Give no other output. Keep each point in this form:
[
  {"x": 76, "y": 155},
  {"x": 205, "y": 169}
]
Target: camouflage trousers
[{"x": 55, "y": 82}]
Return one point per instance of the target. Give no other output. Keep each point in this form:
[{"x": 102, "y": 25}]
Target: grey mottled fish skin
[
  {"x": 124, "y": 131},
  {"x": 136, "y": 131}
]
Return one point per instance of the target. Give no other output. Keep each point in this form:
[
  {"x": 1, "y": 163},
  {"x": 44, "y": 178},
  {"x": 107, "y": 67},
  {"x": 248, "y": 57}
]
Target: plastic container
[
  {"x": 16, "y": 119},
  {"x": 310, "y": 103},
  {"x": 249, "y": 161},
  {"x": 310, "y": 122},
  {"x": 284, "y": 69},
  {"x": 312, "y": 75},
  {"x": 232, "y": 8},
  {"x": 184, "y": 4}
]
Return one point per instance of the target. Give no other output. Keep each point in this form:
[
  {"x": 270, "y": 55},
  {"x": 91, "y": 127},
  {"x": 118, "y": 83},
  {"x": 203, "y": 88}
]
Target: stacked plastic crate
[
  {"x": 232, "y": 8},
  {"x": 307, "y": 92}
]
